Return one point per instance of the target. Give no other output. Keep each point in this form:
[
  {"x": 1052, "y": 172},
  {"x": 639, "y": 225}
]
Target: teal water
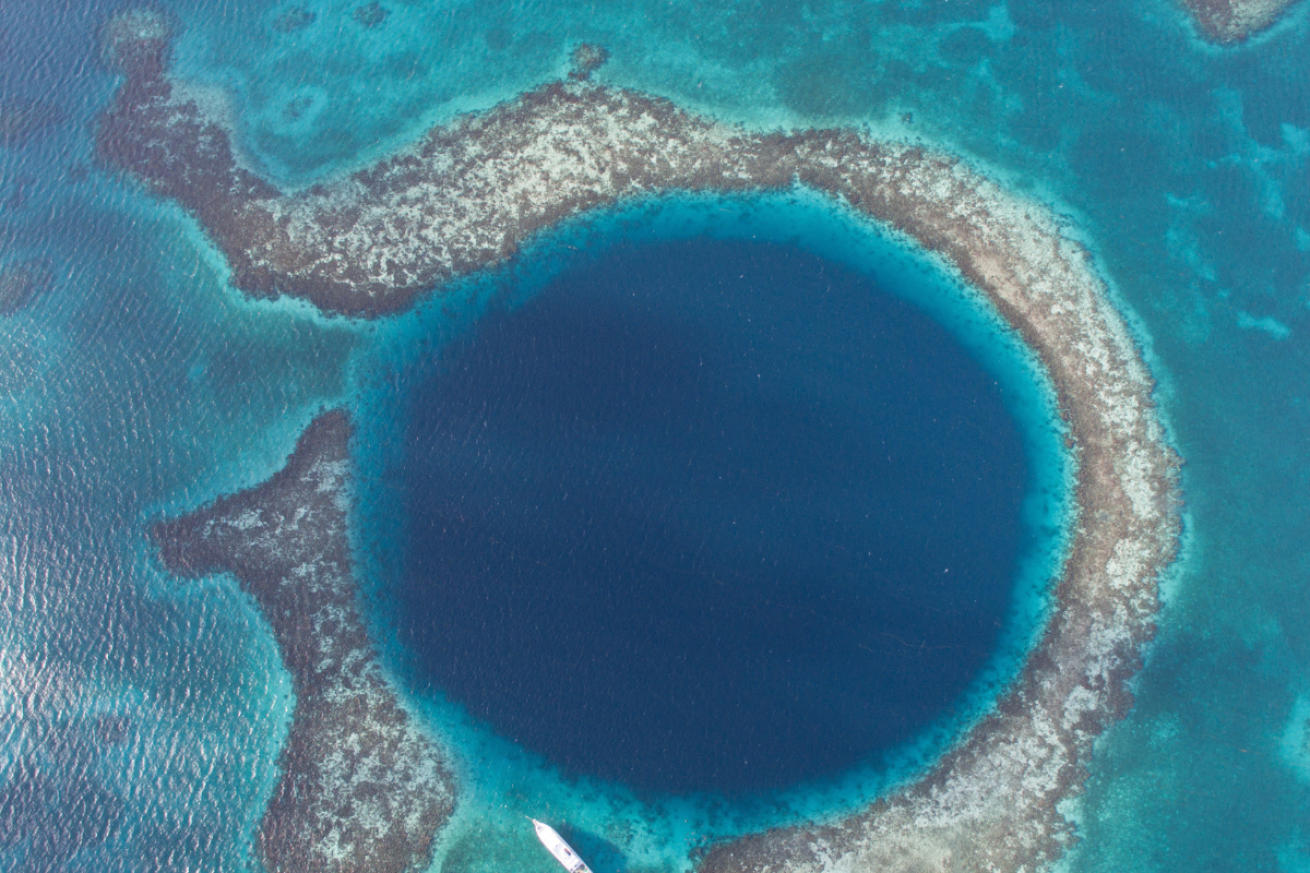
[{"x": 141, "y": 383}]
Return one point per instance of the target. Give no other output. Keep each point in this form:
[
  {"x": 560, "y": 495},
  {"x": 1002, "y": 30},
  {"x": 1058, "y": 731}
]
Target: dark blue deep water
[{"x": 708, "y": 515}]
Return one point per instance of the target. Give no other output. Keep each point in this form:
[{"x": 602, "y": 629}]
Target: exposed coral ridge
[
  {"x": 362, "y": 787},
  {"x": 1234, "y": 21},
  {"x": 469, "y": 194}
]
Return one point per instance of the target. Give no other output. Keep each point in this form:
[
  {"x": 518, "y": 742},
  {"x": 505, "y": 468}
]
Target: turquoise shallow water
[{"x": 141, "y": 383}]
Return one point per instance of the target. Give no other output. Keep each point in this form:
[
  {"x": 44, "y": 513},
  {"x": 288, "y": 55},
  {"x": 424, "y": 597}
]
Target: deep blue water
[
  {"x": 141, "y": 383},
  {"x": 708, "y": 515}
]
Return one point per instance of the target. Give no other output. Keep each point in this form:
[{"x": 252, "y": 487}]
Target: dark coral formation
[
  {"x": 469, "y": 194},
  {"x": 22, "y": 121},
  {"x": 136, "y": 43},
  {"x": 294, "y": 19},
  {"x": 362, "y": 787},
  {"x": 23, "y": 282},
  {"x": 55, "y": 801},
  {"x": 371, "y": 14},
  {"x": 112, "y": 730},
  {"x": 587, "y": 59},
  {"x": 1229, "y": 22},
  {"x": 53, "y": 811}
]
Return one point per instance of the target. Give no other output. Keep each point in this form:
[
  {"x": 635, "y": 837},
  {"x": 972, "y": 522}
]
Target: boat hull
[{"x": 561, "y": 850}]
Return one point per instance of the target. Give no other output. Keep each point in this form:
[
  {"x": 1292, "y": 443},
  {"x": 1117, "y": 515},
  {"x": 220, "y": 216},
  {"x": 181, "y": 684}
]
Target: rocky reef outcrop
[
  {"x": 1230, "y": 22},
  {"x": 363, "y": 787}
]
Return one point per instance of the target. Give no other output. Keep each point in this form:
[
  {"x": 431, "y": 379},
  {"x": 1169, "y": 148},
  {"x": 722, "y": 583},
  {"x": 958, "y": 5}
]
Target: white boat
[{"x": 562, "y": 851}]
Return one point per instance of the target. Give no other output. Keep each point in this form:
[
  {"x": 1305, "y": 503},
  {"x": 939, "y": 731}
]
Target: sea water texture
[{"x": 143, "y": 717}]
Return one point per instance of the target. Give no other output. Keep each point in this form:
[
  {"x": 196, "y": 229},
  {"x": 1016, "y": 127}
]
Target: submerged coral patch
[
  {"x": 1229, "y": 22},
  {"x": 362, "y": 788},
  {"x": 23, "y": 282}
]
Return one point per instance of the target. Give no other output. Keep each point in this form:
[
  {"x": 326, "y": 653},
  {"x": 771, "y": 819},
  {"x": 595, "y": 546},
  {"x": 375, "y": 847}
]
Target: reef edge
[
  {"x": 362, "y": 787},
  {"x": 1232, "y": 22}
]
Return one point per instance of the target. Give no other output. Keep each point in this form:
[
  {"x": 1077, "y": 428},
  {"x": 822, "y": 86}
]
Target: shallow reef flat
[
  {"x": 469, "y": 194},
  {"x": 1234, "y": 21},
  {"x": 362, "y": 786}
]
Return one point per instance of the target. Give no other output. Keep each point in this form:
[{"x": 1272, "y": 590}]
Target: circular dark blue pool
[{"x": 708, "y": 515}]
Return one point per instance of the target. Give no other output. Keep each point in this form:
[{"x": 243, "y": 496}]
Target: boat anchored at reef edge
[{"x": 562, "y": 851}]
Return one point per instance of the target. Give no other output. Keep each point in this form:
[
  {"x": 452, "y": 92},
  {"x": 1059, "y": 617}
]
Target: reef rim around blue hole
[{"x": 654, "y": 726}]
